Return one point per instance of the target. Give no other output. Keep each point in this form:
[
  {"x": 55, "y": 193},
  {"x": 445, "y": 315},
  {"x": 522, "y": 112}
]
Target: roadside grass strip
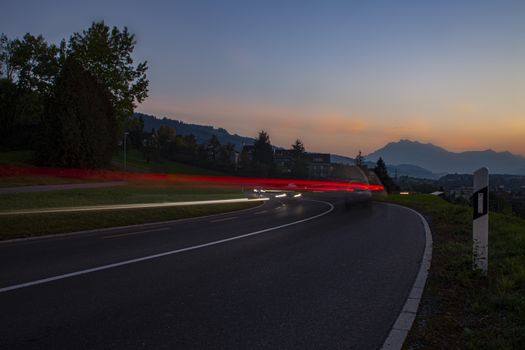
[
  {"x": 33, "y": 225},
  {"x": 130, "y": 206},
  {"x": 461, "y": 308}
]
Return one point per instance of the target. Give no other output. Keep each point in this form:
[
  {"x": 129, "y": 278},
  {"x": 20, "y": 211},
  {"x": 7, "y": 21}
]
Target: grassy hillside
[{"x": 461, "y": 309}]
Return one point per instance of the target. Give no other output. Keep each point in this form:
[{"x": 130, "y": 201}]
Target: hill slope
[{"x": 201, "y": 132}]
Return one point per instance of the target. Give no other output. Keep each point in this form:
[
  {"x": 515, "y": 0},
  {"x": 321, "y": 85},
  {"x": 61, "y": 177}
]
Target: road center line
[
  {"x": 225, "y": 219},
  {"x": 155, "y": 256},
  {"x": 135, "y": 233},
  {"x": 260, "y": 212}
]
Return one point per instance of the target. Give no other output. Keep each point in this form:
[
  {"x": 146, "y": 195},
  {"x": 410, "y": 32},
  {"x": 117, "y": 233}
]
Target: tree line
[
  {"x": 165, "y": 144},
  {"x": 69, "y": 102}
]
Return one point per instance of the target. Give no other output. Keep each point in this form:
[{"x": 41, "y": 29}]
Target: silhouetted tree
[
  {"x": 151, "y": 147},
  {"x": 187, "y": 148},
  {"x": 9, "y": 106},
  {"x": 300, "y": 164},
  {"x": 359, "y": 160},
  {"x": 31, "y": 62},
  {"x": 135, "y": 128},
  {"x": 80, "y": 124},
  {"x": 226, "y": 154},
  {"x": 263, "y": 154},
  {"x": 166, "y": 140},
  {"x": 107, "y": 54},
  {"x": 382, "y": 173},
  {"x": 213, "y": 147},
  {"x": 298, "y": 149},
  {"x": 28, "y": 68}
]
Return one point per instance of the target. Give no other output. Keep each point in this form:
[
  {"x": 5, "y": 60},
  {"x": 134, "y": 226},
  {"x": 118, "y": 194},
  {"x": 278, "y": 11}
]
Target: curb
[{"x": 404, "y": 321}]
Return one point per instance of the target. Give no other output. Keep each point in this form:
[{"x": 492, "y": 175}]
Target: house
[
  {"x": 319, "y": 165},
  {"x": 284, "y": 160}
]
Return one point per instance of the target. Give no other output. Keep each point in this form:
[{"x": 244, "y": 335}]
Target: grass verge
[
  {"x": 128, "y": 194},
  {"x": 18, "y": 181},
  {"x": 461, "y": 309},
  {"x": 18, "y": 226}
]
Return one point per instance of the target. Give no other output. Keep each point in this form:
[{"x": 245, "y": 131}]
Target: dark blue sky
[{"x": 341, "y": 75}]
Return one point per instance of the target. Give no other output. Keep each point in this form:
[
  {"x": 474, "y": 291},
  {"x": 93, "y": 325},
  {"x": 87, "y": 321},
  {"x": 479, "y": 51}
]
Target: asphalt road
[{"x": 297, "y": 274}]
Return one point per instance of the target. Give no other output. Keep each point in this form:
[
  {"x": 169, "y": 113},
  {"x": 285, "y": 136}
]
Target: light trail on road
[{"x": 197, "y": 181}]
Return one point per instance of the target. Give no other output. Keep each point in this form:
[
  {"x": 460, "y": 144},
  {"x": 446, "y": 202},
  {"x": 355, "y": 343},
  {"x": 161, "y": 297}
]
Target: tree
[
  {"x": 298, "y": 149},
  {"x": 190, "y": 143},
  {"x": 107, "y": 54},
  {"x": 151, "y": 146},
  {"x": 135, "y": 128},
  {"x": 8, "y": 111},
  {"x": 359, "y": 160},
  {"x": 31, "y": 63},
  {"x": 80, "y": 125},
  {"x": 300, "y": 165},
  {"x": 34, "y": 63},
  {"x": 380, "y": 169},
  {"x": 382, "y": 173},
  {"x": 28, "y": 68},
  {"x": 226, "y": 153},
  {"x": 213, "y": 147},
  {"x": 6, "y": 52},
  {"x": 263, "y": 154},
  {"x": 166, "y": 140},
  {"x": 186, "y": 147}
]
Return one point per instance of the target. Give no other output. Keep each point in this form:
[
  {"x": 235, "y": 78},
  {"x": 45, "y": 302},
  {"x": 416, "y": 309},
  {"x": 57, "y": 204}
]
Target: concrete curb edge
[{"x": 404, "y": 321}]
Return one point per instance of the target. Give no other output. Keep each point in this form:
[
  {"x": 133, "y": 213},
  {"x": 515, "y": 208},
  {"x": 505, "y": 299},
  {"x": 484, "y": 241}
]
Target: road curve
[{"x": 292, "y": 274}]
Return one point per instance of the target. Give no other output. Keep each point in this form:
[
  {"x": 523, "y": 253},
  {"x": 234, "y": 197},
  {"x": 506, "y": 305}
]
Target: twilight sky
[{"x": 340, "y": 75}]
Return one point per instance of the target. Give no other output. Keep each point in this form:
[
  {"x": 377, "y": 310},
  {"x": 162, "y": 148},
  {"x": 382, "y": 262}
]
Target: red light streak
[{"x": 193, "y": 180}]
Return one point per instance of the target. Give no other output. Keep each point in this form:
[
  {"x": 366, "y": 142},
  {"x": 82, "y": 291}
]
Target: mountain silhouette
[
  {"x": 405, "y": 157},
  {"x": 439, "y": 160}
]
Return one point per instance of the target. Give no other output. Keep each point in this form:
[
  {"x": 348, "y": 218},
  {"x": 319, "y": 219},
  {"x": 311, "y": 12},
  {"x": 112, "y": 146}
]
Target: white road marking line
[
  {"x": 225, "y": 219},
  {"x": 155, "y": 256},
  {"x": 134, "y": 233},
  {"x": 260, "y": 212}
]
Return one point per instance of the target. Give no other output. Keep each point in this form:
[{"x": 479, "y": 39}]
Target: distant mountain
[
  {"x": 403, "y": 158},
  {"x": 412, "y": 171},
  {"x": 439, "y": 160},
  {"x": 393, "y": 170},
  {"x": 334, "y": 158},
  {"x": 201, "y": 132}
]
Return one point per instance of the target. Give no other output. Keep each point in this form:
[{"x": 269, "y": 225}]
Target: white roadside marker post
[{"x": 480, "y": 227}]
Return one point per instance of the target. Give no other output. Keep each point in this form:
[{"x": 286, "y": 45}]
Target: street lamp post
[{"x": 125, "y": 138}]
